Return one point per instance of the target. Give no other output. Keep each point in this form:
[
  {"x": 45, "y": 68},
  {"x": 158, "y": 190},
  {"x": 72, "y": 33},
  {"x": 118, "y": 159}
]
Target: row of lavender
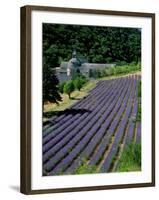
[{"x": 87, "y": 128}]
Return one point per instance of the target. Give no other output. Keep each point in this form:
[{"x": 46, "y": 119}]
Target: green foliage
[
  {"x": 61, "y": 87},
  {"x": 111, "y": 71},
  {"x": 69, "y": 88},
  {"x": 84, "y": 168},
  {"x": 117, "y": 70},
  {"x": 104, "y": 44},
  {"x": 121, "y": 63},
  {"x": 83, "y": 79},
  {"x": 50, "y": 86},
  {"x": 78, "y": 83},
  {"x": 131, "y": 158}
]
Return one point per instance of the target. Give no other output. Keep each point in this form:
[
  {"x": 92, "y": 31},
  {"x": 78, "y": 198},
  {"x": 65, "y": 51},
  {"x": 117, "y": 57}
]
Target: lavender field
[{"x": 95, "y": 131}]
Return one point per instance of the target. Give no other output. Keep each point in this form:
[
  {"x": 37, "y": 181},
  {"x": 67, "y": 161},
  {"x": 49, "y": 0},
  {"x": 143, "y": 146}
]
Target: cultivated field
[{"x": 95, "y": 131}]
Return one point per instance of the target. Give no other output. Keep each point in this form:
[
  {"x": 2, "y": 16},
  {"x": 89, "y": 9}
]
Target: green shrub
[
  {"x": 110, "y": 71},
  {"x": 103, "y": 73},
  {"x": 61, "y": 87},
  {"x": 99, "y": 74},
  {"x": 78, "y": 83},
  {"x": 83, "y": 79},
  {"x": 84, "y": 168},
  {"x": 119, "y": 70},
  {"x": 69, "y": 88}
]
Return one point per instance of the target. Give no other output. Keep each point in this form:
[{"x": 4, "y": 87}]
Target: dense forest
[
  {"x": 93, "y": 43},
  {"x": 96, "y": 44}
]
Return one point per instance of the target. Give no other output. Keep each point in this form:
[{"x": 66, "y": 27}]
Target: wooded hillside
[{"x": 96, "y": 44}]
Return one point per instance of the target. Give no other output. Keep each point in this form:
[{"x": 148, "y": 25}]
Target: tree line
[{"x": 96, "y": 44}]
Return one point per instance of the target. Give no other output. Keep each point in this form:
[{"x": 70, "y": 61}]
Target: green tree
[
  {"x": 61, "y": 87},
  {"x": 78, "y": 83},
  {"x": 69, "y": 88},
  {"x": 50, "y": 86}
]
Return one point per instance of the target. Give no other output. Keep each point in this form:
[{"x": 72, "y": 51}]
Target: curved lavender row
[
  {"x": 99, "y": 90},
  {"x": 135, "y": 107},
  {"x": 45, "y": 127},
  {"x": 50, "y": 164},
  {"x": 98, "y": 136},
  {"x": 82, "y": 144},
  {"x": 102, "y": 85},
  {"x": 58, "y": 120},
  {"x": 130, "y": 132},
  {"x": 52, "y": 120},
  {"x": 99, "y": 83},
  {"x": 62, "y": 119},
  {"x": 119, "y": 134},
  {"x": 94, "y": 90},
  {"x": 114, "y": 148},
  {"x": 74, "y": 132},
  {"x": 61, "y": 126},
  {"x": 131, "y": 124},
  {"x": 62, "y": 122},
  {"x": 119, "y": 114},
  {"x": 48, "y": 125},
  {"x": 91, "y": 97},
  {"x": 55, "y": 125},
  {"x": 57, "y": 137},
  {"x": 82, "y": 102},
  {"x": 69, "y": 128},
  {"x": 86, "y": 100},
  {"x": 63, "y": 116},
  {"x": 79, "y": 123},
  {"x": 104, "y": 144},
  {"x": 138, "y": 133}
]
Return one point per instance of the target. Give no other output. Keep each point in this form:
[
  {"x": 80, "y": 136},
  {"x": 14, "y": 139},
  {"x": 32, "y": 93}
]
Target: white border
[{"x": 52, "y": 182}]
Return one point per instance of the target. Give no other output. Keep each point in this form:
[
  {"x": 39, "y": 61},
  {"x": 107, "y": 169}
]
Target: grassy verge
[{"x": 130, "y": 159}]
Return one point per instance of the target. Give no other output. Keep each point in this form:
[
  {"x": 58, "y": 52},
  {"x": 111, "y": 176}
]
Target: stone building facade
[{"x": 76, "y": 65}]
